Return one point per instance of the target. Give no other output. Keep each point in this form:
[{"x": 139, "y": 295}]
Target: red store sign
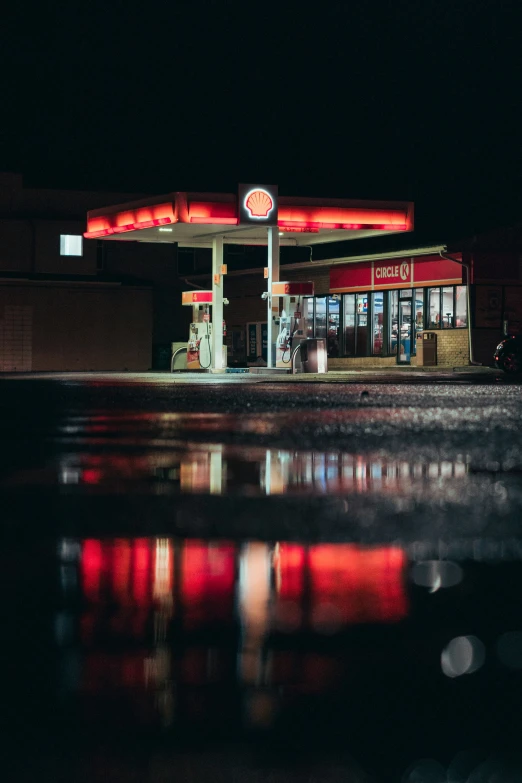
[{"x": 394, "y": 273}]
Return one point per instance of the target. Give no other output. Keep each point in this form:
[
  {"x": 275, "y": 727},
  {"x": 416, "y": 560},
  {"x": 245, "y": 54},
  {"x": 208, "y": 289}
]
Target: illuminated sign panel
[
  {"x": 395, "y": 273},
  {"x": 258, "y": 204},
  {"x": 294, "y": 288},
  {"x": 196, "y": 297}
]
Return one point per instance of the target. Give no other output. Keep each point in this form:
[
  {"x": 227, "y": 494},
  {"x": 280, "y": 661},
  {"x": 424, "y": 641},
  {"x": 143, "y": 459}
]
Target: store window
[
  {"x": 349, "y": 324},
  {"x": 461, "y": 306},
  {"x": 433, "y": 308},
  {"x": 308, "y": 309},
  {"x": 378, "y": 323},
  {"x": 393, "y": 320},
  {"x": 447, "y": 308},
  {"x": 419, "y": 308},
  {"x": 361, "y": 323},
  {"x": 333, "y": 325},
  {"x": 320, "y": 316}
]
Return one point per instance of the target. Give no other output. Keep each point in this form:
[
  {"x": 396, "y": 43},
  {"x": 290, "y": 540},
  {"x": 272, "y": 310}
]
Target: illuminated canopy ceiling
[{"x": 195, "y": 219}]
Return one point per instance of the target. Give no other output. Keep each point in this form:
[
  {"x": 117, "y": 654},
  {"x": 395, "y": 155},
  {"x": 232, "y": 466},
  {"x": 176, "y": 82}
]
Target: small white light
[
  {"x": 281, "y": 233},
  {"x": 164, "y": 229}
]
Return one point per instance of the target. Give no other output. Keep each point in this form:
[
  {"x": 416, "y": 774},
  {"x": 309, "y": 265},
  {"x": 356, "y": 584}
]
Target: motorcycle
[{"x": 508, "y": 354}]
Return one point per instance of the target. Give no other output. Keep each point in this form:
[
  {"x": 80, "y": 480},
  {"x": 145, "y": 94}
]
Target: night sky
[{"x": 405, "y": 99}]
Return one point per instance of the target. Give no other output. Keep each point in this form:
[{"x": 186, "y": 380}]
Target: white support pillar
[
  {"x": 273, "y": 277},
  {"x": 217, "y": 304}
]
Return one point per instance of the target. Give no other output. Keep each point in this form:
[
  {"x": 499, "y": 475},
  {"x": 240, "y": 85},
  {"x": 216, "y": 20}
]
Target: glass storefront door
[{"x": 405, "y": 334}]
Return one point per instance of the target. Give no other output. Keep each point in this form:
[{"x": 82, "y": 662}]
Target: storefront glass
[
  {"x": 320, "y": 316},
  {"x": 433, "y": 308},
  {"x": 419, "y": 308},
  {"x": 461, "y": 306},
  {"x": 349, "y": 324},
  {"x": 404, "y": 330},
  {"x": 447, "y": 307},
  {"x": 378, "y": 322},
  {"x": 309, "y": 310},
  {"x": 393, "y": 320},
  {"x": 361, "y": 335},
  {"x": 333, "y": 325}
]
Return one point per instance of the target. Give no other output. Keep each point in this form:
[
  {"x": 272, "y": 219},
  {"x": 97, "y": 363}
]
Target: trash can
[
  {"x": 313, "y": 355},
  {"x": 426, "y": 349}
]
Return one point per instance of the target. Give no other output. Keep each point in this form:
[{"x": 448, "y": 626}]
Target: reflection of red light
[
  {"x": 121, "y": 564},
  {"x": 91, "y": 568},
  {"x": 141, "y": 569},
  {"x": 208, "y": 580},
  {"x": 290, "y": 564},
  {"x": 356, "y": 585},
  {"x": 91, "y": 476},
  {"x": 364, "y": 586}
]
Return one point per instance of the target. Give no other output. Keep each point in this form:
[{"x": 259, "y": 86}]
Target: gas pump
[
  {"x": 199, "y": 345},
  {"x": 293, "y": 318}
]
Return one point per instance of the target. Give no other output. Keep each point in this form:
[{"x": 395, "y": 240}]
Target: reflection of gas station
[
  {"x": 255, "y": 216},
  {"x": 170, "y": 627}
]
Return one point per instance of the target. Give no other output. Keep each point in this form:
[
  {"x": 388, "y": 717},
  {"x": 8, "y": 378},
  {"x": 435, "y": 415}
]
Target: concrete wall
[
  {"x": 484, "y": 343},
  {"x": 33, "y": 246},
  {"x": 75, "y": 327}
]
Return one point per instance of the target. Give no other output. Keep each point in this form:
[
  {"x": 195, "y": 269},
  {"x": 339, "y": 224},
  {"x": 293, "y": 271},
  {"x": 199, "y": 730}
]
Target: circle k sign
[{"x": 392, "y": 273}]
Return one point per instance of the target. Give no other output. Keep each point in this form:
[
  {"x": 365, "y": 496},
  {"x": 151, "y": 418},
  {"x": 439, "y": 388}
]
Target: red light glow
[
  {"x": 130, "y": 220},
  {"x": 141, "y": 571},
  {"x": 91, "y": 568}
]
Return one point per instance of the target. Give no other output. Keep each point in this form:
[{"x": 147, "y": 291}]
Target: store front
[{"x": 375, "y": 309}]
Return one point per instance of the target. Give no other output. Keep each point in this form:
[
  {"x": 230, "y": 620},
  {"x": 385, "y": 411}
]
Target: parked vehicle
[{"x": 508, "y": 354}]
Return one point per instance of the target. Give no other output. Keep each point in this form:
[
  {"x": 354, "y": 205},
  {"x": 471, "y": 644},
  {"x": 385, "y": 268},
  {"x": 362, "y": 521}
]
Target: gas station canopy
[{"x": 196, "y": 219}]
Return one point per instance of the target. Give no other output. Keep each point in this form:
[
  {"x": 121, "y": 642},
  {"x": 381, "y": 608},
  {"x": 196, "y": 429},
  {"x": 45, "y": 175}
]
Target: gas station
[{"x": 256, "y": 215}]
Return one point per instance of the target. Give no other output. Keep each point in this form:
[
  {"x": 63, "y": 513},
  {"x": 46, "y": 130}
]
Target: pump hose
[{"x": 209, "y": 351}]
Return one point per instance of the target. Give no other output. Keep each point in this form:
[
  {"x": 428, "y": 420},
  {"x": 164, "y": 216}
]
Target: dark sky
[{"x": 404, "y": 99}]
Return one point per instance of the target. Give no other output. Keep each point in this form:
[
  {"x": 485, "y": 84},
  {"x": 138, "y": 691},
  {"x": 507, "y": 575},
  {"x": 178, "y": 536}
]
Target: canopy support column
[
  {"x": 273, "y": 277},
  {"x": 217, "y": 304}
]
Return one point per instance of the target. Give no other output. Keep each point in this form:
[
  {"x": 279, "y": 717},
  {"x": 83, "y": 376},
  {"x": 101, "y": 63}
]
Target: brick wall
[{"x": 452, "y": 348}]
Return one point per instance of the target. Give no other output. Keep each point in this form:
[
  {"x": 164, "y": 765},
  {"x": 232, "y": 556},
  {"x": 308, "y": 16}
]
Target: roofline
[{"x": 419, "y": 251}]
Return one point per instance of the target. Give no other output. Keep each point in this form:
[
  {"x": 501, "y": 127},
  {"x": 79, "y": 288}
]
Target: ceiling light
[
  {"x": 281, "y": 233},
  {"x": 164, "y": 229}
]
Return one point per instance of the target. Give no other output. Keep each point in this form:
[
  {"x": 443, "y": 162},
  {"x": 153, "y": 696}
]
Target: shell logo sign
[{"x": 259, "y": 203}]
